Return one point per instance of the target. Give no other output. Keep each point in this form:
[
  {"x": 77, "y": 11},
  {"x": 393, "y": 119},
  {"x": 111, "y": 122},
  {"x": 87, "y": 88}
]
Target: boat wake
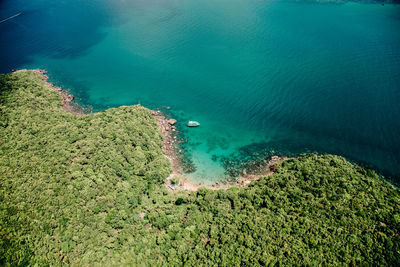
[{"x": 16, "y": 15}]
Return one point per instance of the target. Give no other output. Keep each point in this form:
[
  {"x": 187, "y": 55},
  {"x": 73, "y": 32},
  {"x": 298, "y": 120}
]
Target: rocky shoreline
[
  {"x": 171, "y": 146},
  {"x": 168, "y": 130},
  {"x": 67, "y": 99},
  {"x": 180, "y": 182},
  {"x": 170, "y": 141},
  {"x": 177, "y": 180}
]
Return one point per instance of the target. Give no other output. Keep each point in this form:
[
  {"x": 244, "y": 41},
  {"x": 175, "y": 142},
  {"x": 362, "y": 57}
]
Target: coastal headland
[
  {"x": 80, "y": 188},
  {"x": 171, "y": 146}
]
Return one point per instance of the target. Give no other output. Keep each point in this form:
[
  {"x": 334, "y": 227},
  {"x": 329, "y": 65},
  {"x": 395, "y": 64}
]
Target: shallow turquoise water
[{"x": 266, "y": 77}]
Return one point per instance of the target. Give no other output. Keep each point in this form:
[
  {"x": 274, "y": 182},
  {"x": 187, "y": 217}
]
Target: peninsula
[{"x": 89, "y": 189}]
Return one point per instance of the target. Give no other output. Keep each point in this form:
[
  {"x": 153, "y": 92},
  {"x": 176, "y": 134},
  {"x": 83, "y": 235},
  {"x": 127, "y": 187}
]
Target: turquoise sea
[{"x": 262, "y": 77}]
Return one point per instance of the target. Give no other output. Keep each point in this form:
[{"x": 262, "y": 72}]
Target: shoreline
[
  {"x": 176, "y": 181},
  {"x": 68, "y": 103},
  {"x": 166, "y": 125},
  {"x": 241, "y": 181},
  {"x": 170, "y": 140}
]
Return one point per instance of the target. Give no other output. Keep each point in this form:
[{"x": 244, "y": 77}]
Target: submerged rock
[{"x": 171, "y": 121}]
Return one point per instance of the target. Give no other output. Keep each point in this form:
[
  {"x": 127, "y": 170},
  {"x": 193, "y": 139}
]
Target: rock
[
  {"x": 172, "y": 121},
  {"x": 69, "y": 98},
  {"x": 274, "y": 158}
]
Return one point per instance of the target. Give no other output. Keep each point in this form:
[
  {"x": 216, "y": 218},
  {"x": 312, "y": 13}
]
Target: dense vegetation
[
  {"x": 82, "y": 190},
  {"x": 68, "y": 182}
]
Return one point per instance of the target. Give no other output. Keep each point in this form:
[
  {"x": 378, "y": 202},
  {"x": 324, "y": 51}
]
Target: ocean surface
[{"x": 262, "y": 77}]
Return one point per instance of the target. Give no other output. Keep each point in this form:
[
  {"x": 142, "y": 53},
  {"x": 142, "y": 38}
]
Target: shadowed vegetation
[{"x": 85, "y": 190}]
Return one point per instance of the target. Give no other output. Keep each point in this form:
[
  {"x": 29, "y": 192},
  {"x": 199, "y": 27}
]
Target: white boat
[{"x": 193, "y": 124}]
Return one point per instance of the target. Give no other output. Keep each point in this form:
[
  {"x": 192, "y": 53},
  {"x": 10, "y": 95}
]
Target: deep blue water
[{"x": 266, "y": 77}]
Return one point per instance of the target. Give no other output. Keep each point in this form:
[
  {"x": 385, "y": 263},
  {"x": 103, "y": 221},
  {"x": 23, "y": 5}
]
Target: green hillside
[{"x": 88, "y": 190}]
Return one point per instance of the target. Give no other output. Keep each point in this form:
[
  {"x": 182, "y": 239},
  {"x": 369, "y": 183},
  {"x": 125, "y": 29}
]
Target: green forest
[{"x": 89, "y": 190}]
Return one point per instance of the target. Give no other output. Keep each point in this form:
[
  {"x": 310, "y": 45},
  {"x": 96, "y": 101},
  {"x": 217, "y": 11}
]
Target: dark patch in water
[
  {"x": 253, "y": 158},
  {"x": 58, "y": 29}
]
